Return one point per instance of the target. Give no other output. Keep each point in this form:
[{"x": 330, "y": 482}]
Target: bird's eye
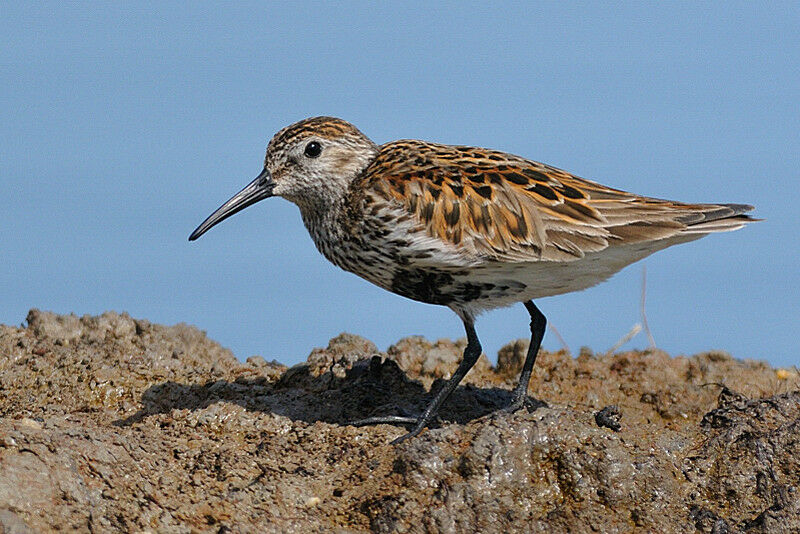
[{"x": 313, "y": 149}]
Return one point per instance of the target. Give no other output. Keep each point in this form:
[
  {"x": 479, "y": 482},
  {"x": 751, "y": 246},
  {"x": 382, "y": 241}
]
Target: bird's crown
[{"x": 314, "y": 160}]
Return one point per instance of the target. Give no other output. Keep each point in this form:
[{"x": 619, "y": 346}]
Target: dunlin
[{"x": 468, "y": 228}]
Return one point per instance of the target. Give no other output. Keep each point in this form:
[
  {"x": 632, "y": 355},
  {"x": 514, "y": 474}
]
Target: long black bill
[{"x": 258, "y": 189}]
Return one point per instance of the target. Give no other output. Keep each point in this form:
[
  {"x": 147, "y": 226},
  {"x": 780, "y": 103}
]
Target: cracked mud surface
[{"x": 111, "y": 423}]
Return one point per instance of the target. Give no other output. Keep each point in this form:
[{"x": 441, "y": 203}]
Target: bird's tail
[{"x": 717, "y": 218}]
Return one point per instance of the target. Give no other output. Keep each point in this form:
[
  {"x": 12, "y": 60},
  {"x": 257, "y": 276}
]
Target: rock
[
  {"x": 511, "y": 357},
  {"x": 428, "y": 361},
  {"x": 111, "y": 423},
  {"x": 609, "y": 417},
  {"x": 11, "y": 523}
]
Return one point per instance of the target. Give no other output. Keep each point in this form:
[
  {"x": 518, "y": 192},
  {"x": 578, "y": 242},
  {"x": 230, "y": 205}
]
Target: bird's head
[{"x": 310, "y": 163}]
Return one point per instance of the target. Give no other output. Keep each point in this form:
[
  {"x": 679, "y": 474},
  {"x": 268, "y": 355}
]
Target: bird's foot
[
  {"x": 522, "y": 401},
  {"x": 419, "y": 424}
]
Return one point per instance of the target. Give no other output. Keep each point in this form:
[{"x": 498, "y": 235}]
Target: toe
[{"x": 385, "y": 419}]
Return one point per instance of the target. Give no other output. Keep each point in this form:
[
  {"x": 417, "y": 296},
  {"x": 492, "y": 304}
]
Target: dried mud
[{"x": 115, "y": 424}]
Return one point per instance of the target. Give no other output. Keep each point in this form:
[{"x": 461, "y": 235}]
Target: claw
[
  {"x": 411, "y": 434},
  {"x": 526, "y": 402}
]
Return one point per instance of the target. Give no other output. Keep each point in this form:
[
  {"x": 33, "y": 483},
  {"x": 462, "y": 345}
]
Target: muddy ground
[{"x": 112, "y": 423}]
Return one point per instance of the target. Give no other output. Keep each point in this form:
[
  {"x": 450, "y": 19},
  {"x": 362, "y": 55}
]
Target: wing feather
[{"x": 503, "y": 207}]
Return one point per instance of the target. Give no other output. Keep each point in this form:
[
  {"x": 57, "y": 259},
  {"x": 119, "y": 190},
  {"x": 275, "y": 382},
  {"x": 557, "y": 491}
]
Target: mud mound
[{"x": 111, "y": 423}]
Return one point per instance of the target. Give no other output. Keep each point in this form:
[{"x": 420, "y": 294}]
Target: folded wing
[{"x": 504, "y": 207}]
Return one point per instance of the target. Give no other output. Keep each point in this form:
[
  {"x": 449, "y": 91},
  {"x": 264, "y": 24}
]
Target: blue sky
[{"x": 124, "y": 126}]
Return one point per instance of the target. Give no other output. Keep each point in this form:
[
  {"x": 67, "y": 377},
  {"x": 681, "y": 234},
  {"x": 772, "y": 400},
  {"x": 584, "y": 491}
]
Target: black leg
[
  {"x": 471, "y": 354},
  {"x": 538, "y": 325}
]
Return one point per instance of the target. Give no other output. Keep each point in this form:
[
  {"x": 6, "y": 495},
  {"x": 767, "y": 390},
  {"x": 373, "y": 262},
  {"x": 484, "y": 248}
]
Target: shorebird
[{"x": 464, "y": 227}]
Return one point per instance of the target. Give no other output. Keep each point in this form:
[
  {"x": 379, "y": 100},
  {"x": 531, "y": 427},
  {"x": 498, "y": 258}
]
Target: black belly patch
[{"x": 440, "y": 287}]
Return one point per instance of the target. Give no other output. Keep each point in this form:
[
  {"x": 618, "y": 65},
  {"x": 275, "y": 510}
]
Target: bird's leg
[
  {"x": 538, "y": 324},
  {"x": 471, "y": 354}
]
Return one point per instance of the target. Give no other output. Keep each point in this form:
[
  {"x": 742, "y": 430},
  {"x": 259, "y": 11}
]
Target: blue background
[{"x": 123, "y": 127}]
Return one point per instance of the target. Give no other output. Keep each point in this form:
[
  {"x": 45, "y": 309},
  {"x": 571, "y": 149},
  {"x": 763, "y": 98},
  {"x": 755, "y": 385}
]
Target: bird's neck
[
  {"x": 332, "y": 218},
  {"x": 321, "y": 221},
  {"x": 319, "y": 216},
  {"x": 329, "y": 235}
]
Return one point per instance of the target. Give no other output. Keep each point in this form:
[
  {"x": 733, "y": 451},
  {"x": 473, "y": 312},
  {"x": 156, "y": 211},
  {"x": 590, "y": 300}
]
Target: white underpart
[{"x": 548, "y": 278}]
